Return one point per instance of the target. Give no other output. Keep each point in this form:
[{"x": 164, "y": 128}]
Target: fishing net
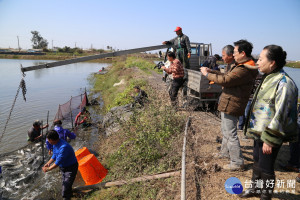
[{"x": 68, "y": 111}]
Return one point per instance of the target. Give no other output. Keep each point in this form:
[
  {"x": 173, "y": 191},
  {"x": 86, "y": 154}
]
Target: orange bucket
[
  {"x": 80, "y": 153},
  {"x": 91, "y": 170}
]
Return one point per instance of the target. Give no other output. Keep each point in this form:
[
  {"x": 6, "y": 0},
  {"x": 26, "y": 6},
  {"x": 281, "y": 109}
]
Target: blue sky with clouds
[{"x": 132, "y": 23}]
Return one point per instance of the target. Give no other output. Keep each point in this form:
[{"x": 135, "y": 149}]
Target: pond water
[
  {"x": 294, "y": 73},
  {"x": 46, "y": 89}
]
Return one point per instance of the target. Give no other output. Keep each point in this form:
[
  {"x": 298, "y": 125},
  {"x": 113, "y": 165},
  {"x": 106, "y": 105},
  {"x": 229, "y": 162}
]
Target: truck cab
[{"x": 199, "y": 53}]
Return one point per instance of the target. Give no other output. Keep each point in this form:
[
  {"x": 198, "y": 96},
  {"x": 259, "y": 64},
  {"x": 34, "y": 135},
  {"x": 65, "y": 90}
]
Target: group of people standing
[
  {"x": 271, "y": 117},
  {"x": 263, "y": 93}
]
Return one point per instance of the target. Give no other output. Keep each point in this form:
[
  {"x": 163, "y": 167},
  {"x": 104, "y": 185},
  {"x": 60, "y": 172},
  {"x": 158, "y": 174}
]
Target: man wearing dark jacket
[
  {"x": 237, "y": 84},
  {"x": 141, "y": 96},
  {"x": 211, "y": 62},
  {"x": 34, "y": 133},
  {"x": 182, "y": 47}
]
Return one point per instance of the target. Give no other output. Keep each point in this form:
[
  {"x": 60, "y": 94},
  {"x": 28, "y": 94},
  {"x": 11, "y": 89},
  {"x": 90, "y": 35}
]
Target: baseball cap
[{"x": 178, "y": 29}]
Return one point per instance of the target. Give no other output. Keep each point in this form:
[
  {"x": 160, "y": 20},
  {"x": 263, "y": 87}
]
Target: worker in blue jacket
[
  {"x": 63, "y": 134},
  {"x": 64, "y": 158}
]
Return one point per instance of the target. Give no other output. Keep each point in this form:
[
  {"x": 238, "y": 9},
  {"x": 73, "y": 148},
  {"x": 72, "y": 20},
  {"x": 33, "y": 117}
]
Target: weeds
[
  {"x": 148, "y": 139},
  {"x": 293, "y": 64},
  {"x": 147, "y": 143},
  {"x": 120, "y": 95},
  {"x": 142, "y": 64},
  {"x": 134, "y": 191}
]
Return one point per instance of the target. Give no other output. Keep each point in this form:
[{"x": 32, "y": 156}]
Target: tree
[
  {"x": 67, "y": 49},
  {"x": 38, "y": 42}
]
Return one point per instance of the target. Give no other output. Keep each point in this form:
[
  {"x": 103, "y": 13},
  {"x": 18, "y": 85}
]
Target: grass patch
[
  {"x": 53, "y": 56},
  {"x": 145, "y": 65},
  {"x": 142, "y": 64},
  {"x": 134, "y": 191},
  {"x": 147, "y": 142},
  {"x": 121, "y": 69},
  {"x": 293, "y": 64},
  {"x": 137, "y": 191}
]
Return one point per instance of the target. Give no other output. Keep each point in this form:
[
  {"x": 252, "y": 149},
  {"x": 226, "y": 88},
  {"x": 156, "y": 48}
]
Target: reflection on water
[
  {"x": 46, "y": 89},
  {"x": 39, "y": 73}
]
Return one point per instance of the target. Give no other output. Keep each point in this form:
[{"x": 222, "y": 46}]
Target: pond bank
[
  {"x": 146, "y": 142},
  {"x": 52, "y": 57}
]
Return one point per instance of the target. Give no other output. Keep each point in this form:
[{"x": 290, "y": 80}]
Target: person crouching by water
[
  {"x": 34, "y": 133},
  {"x": 177, "y": 71},
  {"x": 64, "y": 158},
  {"x": 141, "y": 96},
  {"x": 63, "y": 134},
  {"x": 272, "y": 119},
  {"x": 83, "y": 118}
]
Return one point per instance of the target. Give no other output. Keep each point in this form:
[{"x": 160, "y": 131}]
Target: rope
[{"x": 24, "y": 90}]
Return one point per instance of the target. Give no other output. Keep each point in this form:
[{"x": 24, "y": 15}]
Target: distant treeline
[{"x": 293, "y": 64}]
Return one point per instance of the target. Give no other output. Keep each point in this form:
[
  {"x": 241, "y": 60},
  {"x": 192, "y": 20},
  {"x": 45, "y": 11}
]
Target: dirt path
[{"x": 205, "y": 177}]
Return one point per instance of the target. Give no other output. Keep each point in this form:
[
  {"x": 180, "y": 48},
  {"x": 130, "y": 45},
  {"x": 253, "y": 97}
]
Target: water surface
[{"x": 46, "y": 89}]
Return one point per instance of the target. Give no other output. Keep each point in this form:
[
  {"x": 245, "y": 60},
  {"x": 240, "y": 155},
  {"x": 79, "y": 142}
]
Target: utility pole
[
  {"x": 52, "y": 45},
  {"x": 18, "y": 44},
  {"x": 75, "y": 45},
  {"x": 91, "y": 46}
]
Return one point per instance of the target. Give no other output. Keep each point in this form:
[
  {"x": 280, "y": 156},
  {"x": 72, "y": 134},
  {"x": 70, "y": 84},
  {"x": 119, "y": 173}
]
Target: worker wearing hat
[
  {"x": 182, "y": 47},
  {"x": 34, "y": 133},
  {"x": 64, "y": 134}
]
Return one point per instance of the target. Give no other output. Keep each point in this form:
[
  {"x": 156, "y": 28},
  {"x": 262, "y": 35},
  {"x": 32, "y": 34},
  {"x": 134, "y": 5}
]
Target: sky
[{"x": 127, "y": 24}]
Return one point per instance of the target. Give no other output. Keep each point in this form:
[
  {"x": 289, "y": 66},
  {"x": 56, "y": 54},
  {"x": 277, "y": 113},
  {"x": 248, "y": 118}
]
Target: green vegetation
[
  {"x": 70, "y": 53},
  {"x": 115, "y": 96},
  {"x": 142, "y": 64},
  {"x": 147, "y": 139},
  {"x": 147, "y": 143},
  {"x": 293, "y": 64},
  {"x": 121, "y": 69},
  {"x": 136, "y": 191},
  {"x": 38, "y": 42},
  {"x": 51, "y": 56}
]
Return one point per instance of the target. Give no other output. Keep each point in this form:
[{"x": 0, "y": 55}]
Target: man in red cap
[{"x": 182, "y": 47}]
